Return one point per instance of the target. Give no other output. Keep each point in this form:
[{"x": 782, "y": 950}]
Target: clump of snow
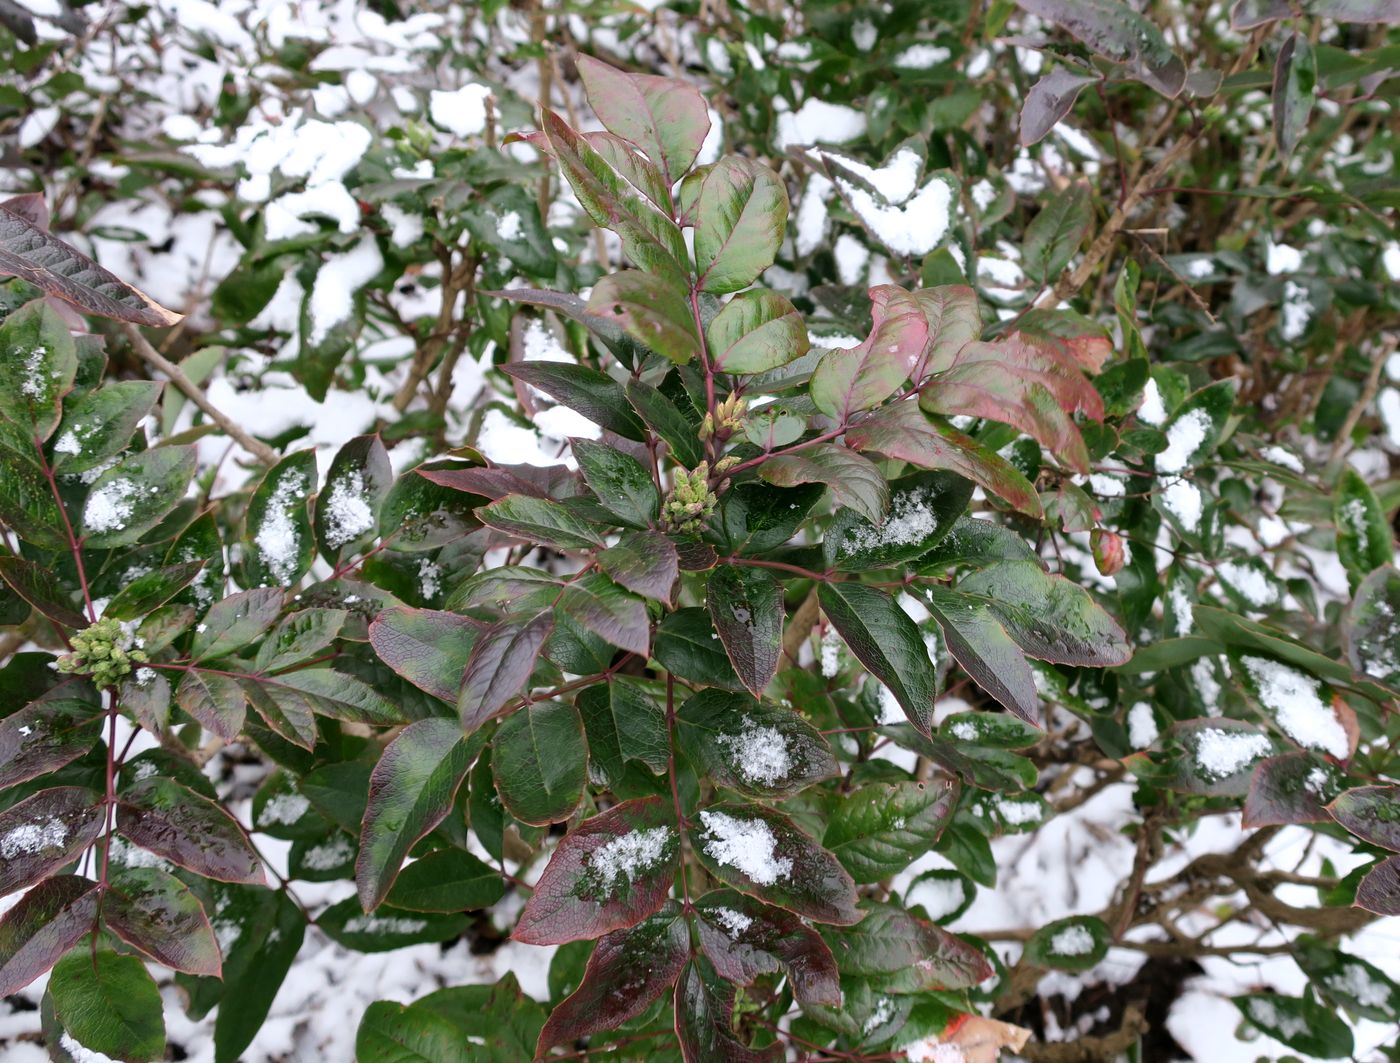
[
  {"x": 819, "y": 122},
  {"x": 1106, "y": 486},
  {"x": 1199, "y": 268},
  {"x": 931, "y": 1050},
  {"x": 332, "y": 298},
  {"x": 278, "y": 538},
  {"x": 348, "y": 513},
  {"x": 1074, "y": 940},
  {"x": 1183, "y": 499},
  {"x": 852, "y": 257},
  {"x": 915, "y": 228},
  {"x": 462, "y": 112},
  {"x": 831, "y": 653},
  {"x": 1249, "y": 582},
  {"x": 80, "y": 1053},
  {"x": 1183, "y": 613},
  {"x": 508, "y": 226},
  {"x": 894, "y": 182},
  {"x": 1295, "y": 699},
  {"x": 735, "y": 923},
  {"x": 1356, "y": 982},
  {"x": 810, "y": 220},
  {"x": 1283, "y": 458},
  {"x": 109, "y": 507},
  {"x": 1017, "y": 813},
  {"x": 384, "y": 924},
  {"x": 921, "y": 57},
  {"x": 864, "y": 34},
  {"x": 539, "y": 344},
  {"x": 36, "y": 381},
  {"x": 1281, "y": 258},
  {"x": 939, "y": 897},
  {"x": 748, "y": 846},
  {"x": 29, "y": 839},
  {"x": 1142, "y": 726},
  {"x": 429, "y": 577},
  {"x": 964, "y": 731},
  {"x": 283, "y": 809},
  {"x": 68, "y": 443},
  {"x": 911, "y": 520},
  {"x": 759, "y": 754},
  {"x": 329, "y": 855},
  {"x": 1184, "y": 438},
  {"x": 1296, "y": 311},
  {"x": 1152, "y": 411},
  {"x": 1219, "y": 754},
  {"x": 629, "y": 855}
]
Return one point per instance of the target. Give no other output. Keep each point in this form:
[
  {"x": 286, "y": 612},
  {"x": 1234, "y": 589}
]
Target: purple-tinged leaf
[
  {"x": 627, "y": 971},
  {"x": 1384, "y": 11},
  {"x": 610, "y": 872},
  {"x": 32, "y": 254},
  {"x": 754, "y": 747},
  {"x": 171, "y": 820},
  {"x": 744, "y": 939},
  {"x": 904, "y": 432},
  {"x": 235, "y": 622},
  {"x": 156, "y": 914},
  {"x": 1249, "y": 14},
  {"x": 38, "y": 585},
  {"x": 652, "y": 309},
  {"x": 1379, "y": 891},
  {"x": 854, "y": 379},
  {"x": 1048, "y": 101},
  {"x": 48, "y": 920},
  {"x": 490, "y": 483},
  {"x": 908, "y": 954},
  {"x": 604, "y": 608},
  {"x": 500, "y": 665},
  {"x": 705, "y": 1020},
  {"x": 757, "y": 331},
  {"x": 1293, "y": 788},
  {"x": 884, "y": 639},
  {"x": 1116, "y": 31},
  {"x": 540, "y": 762},
  {"x": 645, "y": 562},
  {"x": 762, "y": 853},
  {"x": 51, "y": 731},
  {"x": 740, "y": 220},
  {"x": 746, "y": 605},
  {"x": 1372, "y": 813},
  {"x": 853, "y": 480},
  {"x": 980, "y": 644},
  {"x": 44, "y": 832},
  {"x": 427, "y": 647},
  {"x": 411, "y": 790},
  {"x": 1371, "y": 629},
  {"x": 1294, "y": 92},
  {"x": 216, "y": 700},
  {"x": 954, "y": 320},
  {"x": 666, "y": 118},
  {"x": 289, "y": 712}
]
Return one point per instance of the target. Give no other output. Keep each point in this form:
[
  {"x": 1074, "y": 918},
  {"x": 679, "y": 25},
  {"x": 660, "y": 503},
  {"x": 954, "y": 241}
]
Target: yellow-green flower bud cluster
[
  {"x": 105, "y": 651},
  {"x": 691, "y": 501}
]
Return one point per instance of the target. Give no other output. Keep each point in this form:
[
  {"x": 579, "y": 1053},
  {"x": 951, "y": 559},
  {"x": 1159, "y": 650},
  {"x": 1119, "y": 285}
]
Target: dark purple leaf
[
  {"x": 1293, "y": 788},
  {"x": 49, "y": 732},
  {"x": 746, "y": 605},
  {"x": 500, "y": 665},
  {"x": 44, "y": 832},
  {"x": 427, "y": 647},
  {"x": 1118, "y": 32},
  {"x": 190, "y": 831},
  {"x": 645, "y": 562},
  {"x": 216, "y": 700},
  {"x": 1049, "y": 100},
  {"x": 744, "y": 938},
  {"x": 155, "y": 913},
  {"x": 1379, "y": 891},
  {"x": 48, "y": 921},
  {"x": 1372, "y": 813}
]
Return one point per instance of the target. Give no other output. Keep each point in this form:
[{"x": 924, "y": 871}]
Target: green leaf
[
  {"x": 762, "y": 853},
  {"x": 215, "y": 700},
  {"x": 235, "y": 622},
  {"x": 387, "y": 929},
  {"x": 854, "y": 481},
  {"x": 650, "y": 238},
  {"x": 705, "y": 1020},
  {"x": 98, "y": 425},
  {"x": 525, "y": 241},
  {"x": 155, "y": 913},
  {"x": 1372, "y": 813},
  {"x": 1196, "y": 428},
  {"x": 652, "y": 309},
  {"x": 149, "y": 591},
  {"x": 1348, "y": 981},
  {"x": 904, "y": 432},
  {"x": 1048, "y": 616},
  {"x": 645, "y": 562},
  {"x": 1054, "y": 235},
  {"x": 299, "y": 637},
  {"x": 347, "y": 509},
  {"x": 108, "y": 1003},
  {"x": 1364, "y": 541},
  {"x": 910, "y": 955},
  {"x": 38, "y": 360},
  {"x": 878, "y": 830},
  {"x": 1299, "y": 1022},
  {"x": 540, "y": 762},
  {"x": 627, "y": 970},
  {"x": 27, "y": 501},
  {"x": 396, "y": 1033},
  {"x": 923, "y": 508},
  {"x": 595, "y": 395},
  {"x": 500, "y": 665},
  {"x": 755, "y": 332},
  {"x": 754, "y": 747},
  {"x": 410, "y": 792},
  {"x": 687, "y": 645},
  {"x": 52, "y": 730},
  {"x": 269, "y": 930},
  {"x": 887, "y": 642},
  {"x": 1117, "y": 32},
  {"x": 1294, "y": 92},
  {"x": 427, "y": 647},
  {"x": 446, "y": 880},
  {"x": 746, "y": 605},
  {"x": 848, "y": 381},
  {"x": 661, "y": 414},
  {"x": 419, "y": 514},
  {"x": 1371, "y": 628},
  {"x": 620, "y": 481},
  {"x": 980, "y": 644},
  {"x": 623, "y": 723},
  {"x": 665, "y": 117},
  {"x": 279, "y": 546},
  {"x": 38, "y": 586},
  {"x": 339, "y": 695},
  {"x": 605, "y": 609},
  {"x": 741, "y": 218},
  {"x": 1073, "y": 944},
  {"x": 129, "y": 500},
  {"x": 756, "y": 517},
  {"x": 541, "y": 521},
  {"x": 608, "y": 873}
]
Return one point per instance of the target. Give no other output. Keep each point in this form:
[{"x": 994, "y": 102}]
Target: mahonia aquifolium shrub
[{"x": 891, "y": 524}]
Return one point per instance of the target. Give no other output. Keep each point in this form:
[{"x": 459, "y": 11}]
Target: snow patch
[{"x": 748, "y": 846}]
